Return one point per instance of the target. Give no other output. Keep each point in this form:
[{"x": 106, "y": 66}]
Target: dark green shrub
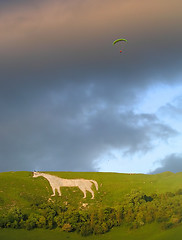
[
  {"x": 179, "y": 192},
  {"x": 85, "y": 230},
  {"x": 32, "y": 221},
  {"x": 67, "y": 227}
]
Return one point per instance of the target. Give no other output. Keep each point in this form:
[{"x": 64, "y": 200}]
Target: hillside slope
[{"x": 21, "y": 189}]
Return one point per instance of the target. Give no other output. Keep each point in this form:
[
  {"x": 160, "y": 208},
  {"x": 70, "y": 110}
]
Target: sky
[{"x": 70, "y": 101}]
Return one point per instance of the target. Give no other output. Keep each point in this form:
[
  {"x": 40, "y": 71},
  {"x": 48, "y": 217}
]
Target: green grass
[
  {"x": 21, "y": 189},
  {"x": 148, "y": 232}
]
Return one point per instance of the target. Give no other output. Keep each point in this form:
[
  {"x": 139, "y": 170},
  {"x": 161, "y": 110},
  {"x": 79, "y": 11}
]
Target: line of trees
[{"x": 136, "y": 210}]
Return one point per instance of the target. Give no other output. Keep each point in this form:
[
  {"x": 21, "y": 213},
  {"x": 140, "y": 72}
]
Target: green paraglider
[{"x": 119, "y": 40}]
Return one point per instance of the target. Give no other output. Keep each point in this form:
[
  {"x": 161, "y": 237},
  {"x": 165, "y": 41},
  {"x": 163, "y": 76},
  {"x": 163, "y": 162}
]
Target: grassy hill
[
  {"x": 127, "y": 200},
  {"x": 21, "y": 189}
]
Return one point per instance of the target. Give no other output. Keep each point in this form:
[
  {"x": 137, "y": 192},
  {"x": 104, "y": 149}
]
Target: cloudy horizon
[{"x": 70, "y": 101}]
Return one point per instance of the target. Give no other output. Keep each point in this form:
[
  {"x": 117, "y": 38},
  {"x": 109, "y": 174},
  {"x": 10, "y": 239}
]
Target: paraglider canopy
[{"x": 119, "y": 40}]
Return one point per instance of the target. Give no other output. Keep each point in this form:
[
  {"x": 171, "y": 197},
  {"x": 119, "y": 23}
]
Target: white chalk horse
[{"x": 57, "y": 182}]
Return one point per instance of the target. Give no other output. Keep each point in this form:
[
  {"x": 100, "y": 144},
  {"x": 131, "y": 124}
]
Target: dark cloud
[
  {"x": 172, "y": 163},
  {"x": 66, "y": 94},
  {"x": 70, "y": 129}
]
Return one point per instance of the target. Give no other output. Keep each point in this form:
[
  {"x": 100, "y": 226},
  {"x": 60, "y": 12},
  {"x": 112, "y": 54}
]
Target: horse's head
[{"x": 36, "y": 174}]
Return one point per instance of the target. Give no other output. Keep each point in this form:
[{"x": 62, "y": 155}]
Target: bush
[
  {"x": 166, "y": 225},
  {"x": 86, "y": 230},
  {"x": 101, "y": 228},
  {"x": 14, "y": 218},
  {"x": 67, "y": 227},
  {"x": 179, "y": 192},
  {"x": 170, "y": 194},
  {"x": 32, "y": 221},
  {"x": 59, "y": 221},
  {"x": 42, "y": 222},
  {"x": 2, "y": 221}
]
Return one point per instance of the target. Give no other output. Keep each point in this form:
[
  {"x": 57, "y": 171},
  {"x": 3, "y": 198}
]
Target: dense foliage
[{"x": 136, "y": 210}]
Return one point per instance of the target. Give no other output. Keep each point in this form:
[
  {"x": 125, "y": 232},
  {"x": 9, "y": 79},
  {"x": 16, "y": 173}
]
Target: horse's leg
[
  {"x": 90, "y": 190},
  {"x": 84, "y": 191},
  {"x": 54, "y": 192},
  {"x": 59, "y": 191}
]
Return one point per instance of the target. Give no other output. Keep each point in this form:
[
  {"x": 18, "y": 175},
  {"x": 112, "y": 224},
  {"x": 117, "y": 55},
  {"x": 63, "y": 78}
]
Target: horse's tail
[{"x": 96, "y": 184}]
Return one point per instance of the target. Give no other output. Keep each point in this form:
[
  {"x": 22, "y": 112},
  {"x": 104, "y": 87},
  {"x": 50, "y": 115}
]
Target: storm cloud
[
  {"x": 67, "y": 96},
  {"x": 172, "y": 162}
]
